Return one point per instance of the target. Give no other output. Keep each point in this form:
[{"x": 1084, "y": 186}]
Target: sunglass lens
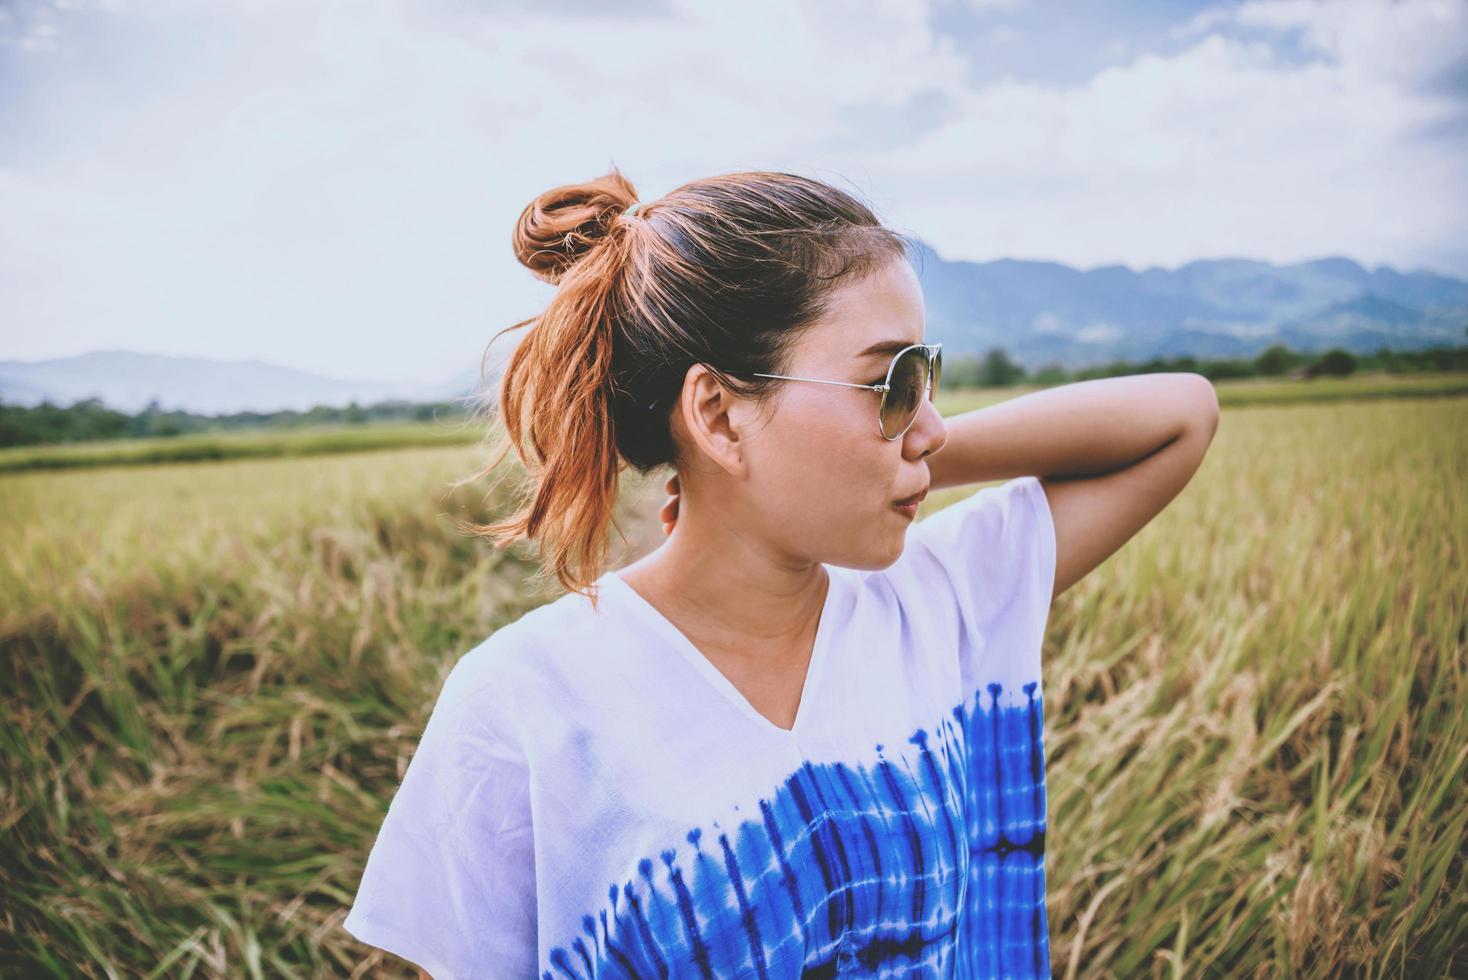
[{"x": 909, "y": 383}]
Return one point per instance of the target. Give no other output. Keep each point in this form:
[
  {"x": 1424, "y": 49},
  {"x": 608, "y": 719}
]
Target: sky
[{"x": 332, "y": 186}]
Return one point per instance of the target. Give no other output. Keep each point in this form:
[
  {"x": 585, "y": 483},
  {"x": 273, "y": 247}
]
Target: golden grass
[{"x": 215, "y": 674}]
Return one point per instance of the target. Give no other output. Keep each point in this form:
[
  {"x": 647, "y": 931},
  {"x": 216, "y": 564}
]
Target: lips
[{"x": 916, "y": 498}]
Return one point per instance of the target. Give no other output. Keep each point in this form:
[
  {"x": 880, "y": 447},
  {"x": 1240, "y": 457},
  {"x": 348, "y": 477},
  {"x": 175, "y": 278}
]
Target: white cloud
[
  {"x": 336, "y": 191},
  {"x": 1216, "y": 150},
  {"x": 333, "y": 187},
  {"x": 1046, "y": 323},
  {"x": 1098, "y": 333}
]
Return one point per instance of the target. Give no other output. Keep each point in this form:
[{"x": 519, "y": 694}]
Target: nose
[{"x": 927, "y": 434}]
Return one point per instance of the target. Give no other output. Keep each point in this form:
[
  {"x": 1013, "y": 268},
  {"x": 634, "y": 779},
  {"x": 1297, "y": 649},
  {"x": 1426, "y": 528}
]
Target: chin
[{"x": 876, "y": 561}]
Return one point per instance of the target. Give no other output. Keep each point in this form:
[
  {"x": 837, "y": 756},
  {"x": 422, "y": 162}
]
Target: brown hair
[{"x": 726, "y": 271}]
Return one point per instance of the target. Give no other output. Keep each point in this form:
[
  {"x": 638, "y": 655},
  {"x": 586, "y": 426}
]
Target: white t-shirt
[{"x": 593, "y": 798}]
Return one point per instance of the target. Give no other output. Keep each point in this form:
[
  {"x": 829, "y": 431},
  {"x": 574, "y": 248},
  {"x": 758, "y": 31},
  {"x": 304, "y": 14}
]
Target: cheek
[
  {"x": 833, "y": 475},
  {"x": 833, "y": 443}
]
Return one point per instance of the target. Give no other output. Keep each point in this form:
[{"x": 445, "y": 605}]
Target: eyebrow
[{"x": 884, "y": 347}]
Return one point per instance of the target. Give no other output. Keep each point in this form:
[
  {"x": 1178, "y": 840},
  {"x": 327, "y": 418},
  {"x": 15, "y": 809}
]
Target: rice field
[{"x": 215, "y": 673}]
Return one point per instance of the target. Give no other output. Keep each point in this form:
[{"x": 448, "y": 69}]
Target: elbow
[{"x": 1203, "y": 397}]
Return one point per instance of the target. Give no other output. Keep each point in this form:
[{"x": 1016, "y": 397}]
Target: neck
[{"x": 731, "y": 592}]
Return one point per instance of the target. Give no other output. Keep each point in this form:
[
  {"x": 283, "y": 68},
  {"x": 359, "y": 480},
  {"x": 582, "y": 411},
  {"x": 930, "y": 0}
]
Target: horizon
[{"x": 455, "y": 374}]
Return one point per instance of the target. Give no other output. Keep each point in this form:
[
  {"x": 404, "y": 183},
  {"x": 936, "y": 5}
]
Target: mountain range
[
  {"x": 128, "y": 380},
  {"x": 1041, "y": 313},
  {"x": 1045, "y": 312}
]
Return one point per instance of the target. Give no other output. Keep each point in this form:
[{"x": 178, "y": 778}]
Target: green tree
[
  {"x": 998, "y": 369},
  {"x": 1050, "y": 374},
  {"x": 1276, "y": 360},
  {"x": 1336, "y": 362}
]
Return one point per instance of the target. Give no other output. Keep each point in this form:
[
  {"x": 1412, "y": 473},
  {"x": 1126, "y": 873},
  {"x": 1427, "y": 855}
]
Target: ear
[{"x": 716, "y": 420}]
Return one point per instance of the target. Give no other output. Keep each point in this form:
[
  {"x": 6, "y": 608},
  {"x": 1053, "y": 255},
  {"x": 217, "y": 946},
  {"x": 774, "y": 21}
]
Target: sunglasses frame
[{"x": 935, "y": 364}]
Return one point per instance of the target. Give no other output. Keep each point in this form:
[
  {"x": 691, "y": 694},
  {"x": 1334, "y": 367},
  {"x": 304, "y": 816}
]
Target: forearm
[{"x": 1081, "y": 429}]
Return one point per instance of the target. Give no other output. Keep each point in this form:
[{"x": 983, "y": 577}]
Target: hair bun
[{"x": 566, "y": 222}]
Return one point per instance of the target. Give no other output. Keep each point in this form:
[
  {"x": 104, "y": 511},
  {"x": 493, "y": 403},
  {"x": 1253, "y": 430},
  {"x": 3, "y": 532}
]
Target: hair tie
[{"x": 634, "y": 207}]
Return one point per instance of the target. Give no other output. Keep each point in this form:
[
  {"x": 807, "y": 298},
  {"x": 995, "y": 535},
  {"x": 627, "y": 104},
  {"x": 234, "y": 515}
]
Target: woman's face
[{"x": 821, "y": 481}]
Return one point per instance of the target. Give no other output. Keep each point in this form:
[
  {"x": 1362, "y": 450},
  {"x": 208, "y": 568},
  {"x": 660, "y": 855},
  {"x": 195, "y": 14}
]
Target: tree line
[
  {"x": 90, "y": 419},
  {"x": 996, "y": 368}
]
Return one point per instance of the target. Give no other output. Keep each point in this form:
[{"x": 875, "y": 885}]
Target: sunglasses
[{"x": 914, "y": 371}]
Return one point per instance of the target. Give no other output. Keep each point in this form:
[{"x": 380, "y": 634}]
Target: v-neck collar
[{"x": 675, "y": 637}]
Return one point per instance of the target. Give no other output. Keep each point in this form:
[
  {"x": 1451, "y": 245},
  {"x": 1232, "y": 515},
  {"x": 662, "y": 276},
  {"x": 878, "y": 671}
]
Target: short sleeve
[
  {"x": 994, "y": 553},
  {"x": 449, "y": 884}
]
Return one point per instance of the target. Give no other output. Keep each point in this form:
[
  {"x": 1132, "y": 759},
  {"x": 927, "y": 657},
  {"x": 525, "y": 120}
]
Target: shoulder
[
  {"x": 513, "y": 667},
  {"x": 998, "y": 518},
  {"x": 985, "y": 550},
  {"x": 1016, "y": 500}
]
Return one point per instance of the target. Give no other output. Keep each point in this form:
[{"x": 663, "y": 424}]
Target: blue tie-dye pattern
[{"x": 933, "y": 865}]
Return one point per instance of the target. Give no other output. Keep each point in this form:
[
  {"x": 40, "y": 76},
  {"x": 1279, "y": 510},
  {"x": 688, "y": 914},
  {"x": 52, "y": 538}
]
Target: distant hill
[
  {"x": 128, "y": 381},
  {"x": 1045, "y": 312},
  {"x": 1040, "y": 312}
]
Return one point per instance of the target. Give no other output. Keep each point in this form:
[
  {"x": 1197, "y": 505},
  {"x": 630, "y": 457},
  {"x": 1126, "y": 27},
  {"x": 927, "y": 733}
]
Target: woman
[{"x": 803, "y": 734}]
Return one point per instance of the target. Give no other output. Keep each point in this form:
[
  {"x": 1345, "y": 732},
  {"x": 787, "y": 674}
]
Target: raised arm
[{"x": 1110, "y": 453}]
